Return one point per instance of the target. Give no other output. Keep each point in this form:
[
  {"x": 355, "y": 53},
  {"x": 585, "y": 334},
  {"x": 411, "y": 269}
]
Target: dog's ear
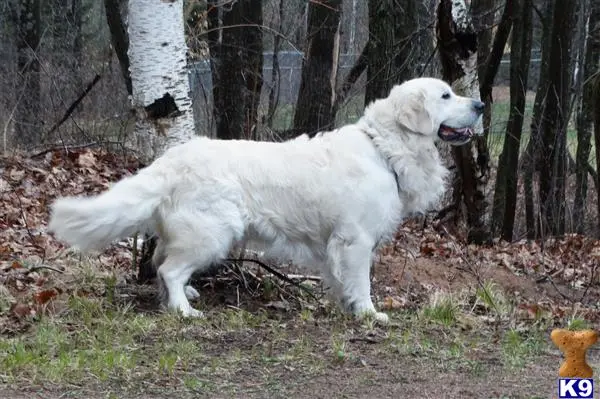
[{"x": 412, "y": 114}]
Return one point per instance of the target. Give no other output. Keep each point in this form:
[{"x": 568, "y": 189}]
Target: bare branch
[{"x": 74, "y": 105}]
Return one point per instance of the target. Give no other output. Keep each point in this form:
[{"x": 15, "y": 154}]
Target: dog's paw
[
  {"x": 378, "y": 317},
  {"x": 381, "y": 317},
  {"x": 193, "y": 313},
  {"x": 191, "y": 293}
]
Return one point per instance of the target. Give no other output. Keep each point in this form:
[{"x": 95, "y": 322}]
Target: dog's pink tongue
[{"x": 446, "y": 130}]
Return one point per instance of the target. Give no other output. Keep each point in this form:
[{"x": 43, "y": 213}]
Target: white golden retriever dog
[{"x": 325, "y": 203}]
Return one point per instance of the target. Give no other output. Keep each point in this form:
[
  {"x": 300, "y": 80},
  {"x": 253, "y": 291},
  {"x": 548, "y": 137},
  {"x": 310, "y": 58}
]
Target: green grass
[
  {"x": 521, "y": 347},
  {"x": 576, "y": 323},
  {"x": 113, "y": 343},
  {"x": 492, "y": 298},
  {"x": 443, "y": 309}
]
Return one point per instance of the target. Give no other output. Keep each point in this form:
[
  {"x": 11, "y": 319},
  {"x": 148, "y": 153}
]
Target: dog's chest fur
[{"x": 416, "y": 165}]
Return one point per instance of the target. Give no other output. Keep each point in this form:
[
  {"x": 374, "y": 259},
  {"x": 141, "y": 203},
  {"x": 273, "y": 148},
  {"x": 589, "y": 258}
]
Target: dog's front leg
[{"x": 351, "y": 261}]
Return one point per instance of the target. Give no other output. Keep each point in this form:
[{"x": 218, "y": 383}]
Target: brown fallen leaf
[
  {"x": 16, "y": 265},
  {"x": 391, "y": 303},
  {"x": 44, "y": 296}
]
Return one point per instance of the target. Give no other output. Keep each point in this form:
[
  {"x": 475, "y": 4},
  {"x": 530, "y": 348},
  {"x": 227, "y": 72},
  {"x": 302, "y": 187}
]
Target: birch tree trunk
[
  {"x": 159, "y": 76},
  {"x": 457, "y": 41},
  {"x": 159, "y": 88}
]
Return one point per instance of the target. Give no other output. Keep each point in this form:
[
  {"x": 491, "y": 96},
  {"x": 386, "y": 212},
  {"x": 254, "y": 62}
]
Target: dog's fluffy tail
[{"x": 93, "y": 223}]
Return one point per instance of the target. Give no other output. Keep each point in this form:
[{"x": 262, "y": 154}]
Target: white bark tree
[
  {"x": 466, "y": 82},
  {"x": 160, "y": 88},
  {"x": 159, "y": 76},
  {"x": 457, "y": 41}
]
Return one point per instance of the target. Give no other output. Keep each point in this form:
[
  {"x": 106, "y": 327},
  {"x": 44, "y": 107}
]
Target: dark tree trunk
[
  {"x": 458, "y": 52},
  {"x": 115, "y": 16},
  {"x": 275, "y": 72},
  {"x": 236, "y": 59},
  {"x": 195, "y": 28},
  {"x": 316, "y": 96},
  {"x": 77, "y": 14},
  {"x": 146, "y": 268},
  {"x": 28, "y": 107},
  {"x": 392, "y": 55},
  {"x": 65, "y": 20},
  {"x": 483, "y": 26},
  {"x": 490, "y": 52},
  {"x": 532, "y": 153},
  {"x": 74, "y": 13},
  {"x": 484, "y": 21},
  {"x": 554, "y": 122},
  {"x": 253, "y": 44},
  {"x": 505, "y": 196},
  {"x": 585, "y": 117}
]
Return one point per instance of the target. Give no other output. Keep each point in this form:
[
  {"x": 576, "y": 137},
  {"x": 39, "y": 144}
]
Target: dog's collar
[{"x": 373, "y": 125}]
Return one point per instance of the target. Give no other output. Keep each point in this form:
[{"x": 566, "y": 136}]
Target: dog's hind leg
[
  {"x": 350, "y": 261},
  {"x": 159, "y": 258},
  {"x": 173, "y": 274},
  {"x": 193, "y": 242}
]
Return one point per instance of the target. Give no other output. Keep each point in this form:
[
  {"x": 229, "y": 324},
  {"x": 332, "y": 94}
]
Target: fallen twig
[
  {"x": 64, "y": 147},
  {"x": 276, "y": 273},
  {"x": 303, "y": 277},
  {"x": 73, "y": 147},
  {"x": 551, "y": 280},
  {"x": 36, "y": 268},
  {"x": 365, "y": 339}
]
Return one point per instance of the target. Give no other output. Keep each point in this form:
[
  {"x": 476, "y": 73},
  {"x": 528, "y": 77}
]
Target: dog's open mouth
[{"x": 451, "y": 134}]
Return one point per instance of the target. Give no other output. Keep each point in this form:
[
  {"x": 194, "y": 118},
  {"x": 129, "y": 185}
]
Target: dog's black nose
[{"x": 478, "y": 106}]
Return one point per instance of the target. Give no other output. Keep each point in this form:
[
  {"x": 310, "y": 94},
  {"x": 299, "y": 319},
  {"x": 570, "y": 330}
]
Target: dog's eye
[{"x": 446, "y": 96}]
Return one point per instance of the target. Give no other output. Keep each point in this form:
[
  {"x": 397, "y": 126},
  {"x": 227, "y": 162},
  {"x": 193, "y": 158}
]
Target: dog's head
[{"x": 429, "y": 107}]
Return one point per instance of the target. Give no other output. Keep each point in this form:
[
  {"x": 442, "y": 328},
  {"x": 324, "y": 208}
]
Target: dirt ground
[
  {"x": 377, "y": 361},
  {"x": 377, "y": 379}
]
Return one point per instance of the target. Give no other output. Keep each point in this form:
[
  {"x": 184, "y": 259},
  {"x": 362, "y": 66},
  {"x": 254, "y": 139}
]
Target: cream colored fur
[{"x": 325, "y": 203}]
